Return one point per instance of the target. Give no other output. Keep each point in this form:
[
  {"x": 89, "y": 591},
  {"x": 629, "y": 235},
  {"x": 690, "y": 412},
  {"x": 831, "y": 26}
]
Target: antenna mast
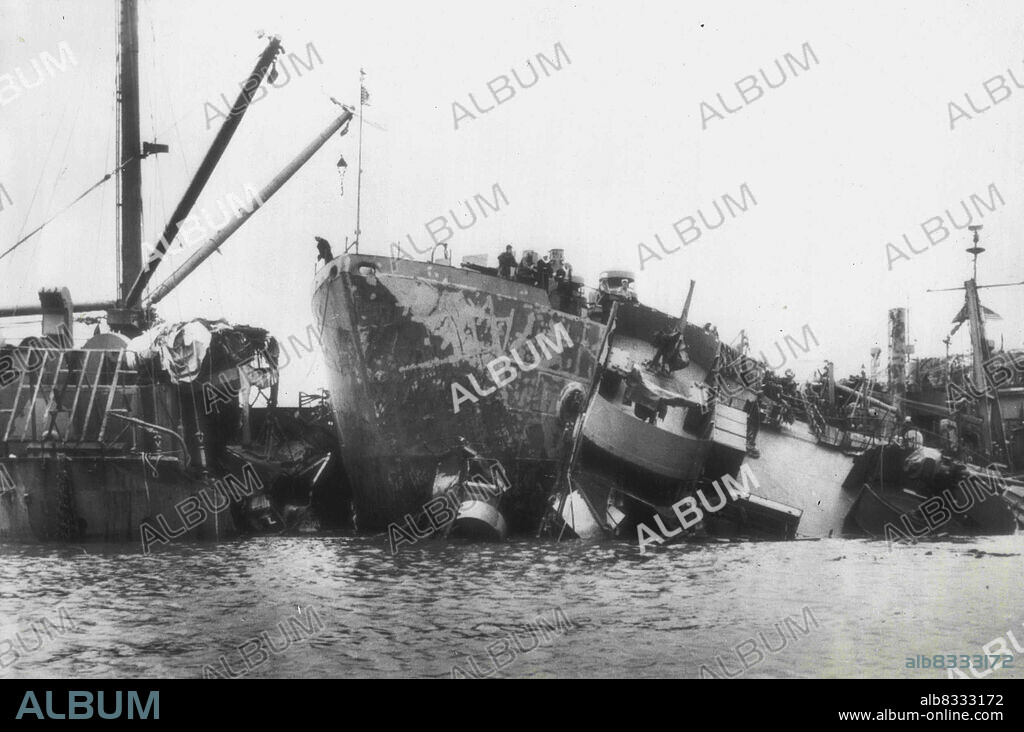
[
  {"x": 363, "y": 98},
  {"x": 975, "y": 250}
]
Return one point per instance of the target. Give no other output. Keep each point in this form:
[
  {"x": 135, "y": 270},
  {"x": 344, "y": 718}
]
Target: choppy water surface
[{"x": 434, "y": 604}]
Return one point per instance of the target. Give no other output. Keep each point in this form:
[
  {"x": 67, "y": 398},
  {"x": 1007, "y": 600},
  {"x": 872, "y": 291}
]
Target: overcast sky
[{"x": 595, "y": 158}]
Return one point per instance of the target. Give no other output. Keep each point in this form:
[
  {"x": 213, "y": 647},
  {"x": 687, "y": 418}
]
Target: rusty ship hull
[
  {"x": 56, "y": 498},
  {"x": 397, "y": 334}
]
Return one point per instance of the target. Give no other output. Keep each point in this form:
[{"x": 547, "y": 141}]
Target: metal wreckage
[
  {"x": 464, "y": 401},
  {"x": 632, "y": 418},
  {"x": 154, "y": 430}
]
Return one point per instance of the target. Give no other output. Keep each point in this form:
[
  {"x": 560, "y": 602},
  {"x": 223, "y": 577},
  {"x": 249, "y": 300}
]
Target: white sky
[{"x": 598, "y": 157}]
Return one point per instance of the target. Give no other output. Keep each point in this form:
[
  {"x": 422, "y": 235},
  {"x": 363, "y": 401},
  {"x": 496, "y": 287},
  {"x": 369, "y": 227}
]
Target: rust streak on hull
[{"x": 397, "y": 339}]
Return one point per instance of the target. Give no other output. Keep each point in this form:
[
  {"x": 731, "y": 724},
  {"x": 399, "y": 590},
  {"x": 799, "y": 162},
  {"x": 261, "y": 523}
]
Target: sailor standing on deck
[
  {"x": 753, "y": 410},
  {"x": 527, "y": 272},
  {"x": 912, "y": 437},
  {"x": 667, "y": 340},
  {"x": 543, "y": 272},
  {"x": 323, "y": 248},
  {"x": 507, "y": 263},
  {"x": 950, "y": 437}
]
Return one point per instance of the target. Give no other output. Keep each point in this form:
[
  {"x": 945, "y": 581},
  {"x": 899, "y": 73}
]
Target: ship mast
[
  {"x": 991, "y": 420},
  {"x": 359, "y": 163},
  {"x": 130, "y": 174},
  {"x": 992, "y": 429},
  {"x": 979, "y": 349},
  {"x": 124, "y": 315}
]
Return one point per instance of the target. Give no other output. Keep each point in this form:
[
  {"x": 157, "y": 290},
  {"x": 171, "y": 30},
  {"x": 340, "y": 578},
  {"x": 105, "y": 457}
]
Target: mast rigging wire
[
  {"x": 91, "y": 188},
  {"x": 39, "y": 183}
]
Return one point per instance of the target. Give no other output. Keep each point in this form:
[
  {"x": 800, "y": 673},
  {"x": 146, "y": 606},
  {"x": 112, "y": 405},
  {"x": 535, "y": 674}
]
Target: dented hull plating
[{"x": 398, "y": 334}]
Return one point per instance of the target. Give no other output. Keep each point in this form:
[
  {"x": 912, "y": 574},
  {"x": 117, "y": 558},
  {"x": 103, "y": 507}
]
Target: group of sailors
[{"x": 539, "y": 273}]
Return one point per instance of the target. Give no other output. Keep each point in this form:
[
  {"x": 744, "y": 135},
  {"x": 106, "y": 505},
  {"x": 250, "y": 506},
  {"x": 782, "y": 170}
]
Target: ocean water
[{"x": 827, "y": 608}]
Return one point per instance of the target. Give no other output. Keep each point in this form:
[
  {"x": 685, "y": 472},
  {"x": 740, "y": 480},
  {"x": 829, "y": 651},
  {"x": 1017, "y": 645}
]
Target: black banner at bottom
[{"x": 288, "y": 700}]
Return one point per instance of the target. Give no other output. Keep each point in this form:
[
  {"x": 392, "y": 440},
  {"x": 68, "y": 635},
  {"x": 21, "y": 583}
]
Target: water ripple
[{"x": 436, "y": 604}]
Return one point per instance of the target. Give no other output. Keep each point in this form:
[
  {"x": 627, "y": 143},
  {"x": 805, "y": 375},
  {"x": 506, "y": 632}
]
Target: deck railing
[{"x": 64, "y": 395}]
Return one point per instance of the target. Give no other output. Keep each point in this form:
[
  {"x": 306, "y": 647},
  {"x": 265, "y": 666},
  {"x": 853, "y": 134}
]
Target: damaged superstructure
[
  {"x": 658, "y": 428},
  {"x": 154, "y": 430},
  {"x": 102, "y": 439}
]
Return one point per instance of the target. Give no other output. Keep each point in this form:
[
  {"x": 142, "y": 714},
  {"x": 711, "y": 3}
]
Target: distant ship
[{"x": 913, "y": 442}]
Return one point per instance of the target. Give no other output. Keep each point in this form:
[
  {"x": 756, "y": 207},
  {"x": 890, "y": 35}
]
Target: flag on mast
[{"x": 986, "y": 314}]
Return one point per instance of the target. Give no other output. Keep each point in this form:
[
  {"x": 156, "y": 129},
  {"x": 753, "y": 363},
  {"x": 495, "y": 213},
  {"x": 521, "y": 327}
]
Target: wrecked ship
[
  {"x": 423, "y": 357},
  {"x": 118, "y": 439}
]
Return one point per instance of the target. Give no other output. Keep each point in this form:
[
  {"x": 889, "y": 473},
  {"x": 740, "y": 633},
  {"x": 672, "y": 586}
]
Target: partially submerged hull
[
  {"x": 101, "y": 498},
  {"x": 794, "y": 469},
  {"x": 101, "y": 442},
  {"x": 913, "y": 493},
  {"x": 398, "y": 334},
  {"x": 654, "y": 431},
  {"x": 657, "y": 419},
  {"x": 875, "y": 512}
]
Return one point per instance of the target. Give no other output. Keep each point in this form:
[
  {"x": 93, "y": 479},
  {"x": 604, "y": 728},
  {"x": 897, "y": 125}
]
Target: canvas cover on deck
[{"x": 185, "y": 350}]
